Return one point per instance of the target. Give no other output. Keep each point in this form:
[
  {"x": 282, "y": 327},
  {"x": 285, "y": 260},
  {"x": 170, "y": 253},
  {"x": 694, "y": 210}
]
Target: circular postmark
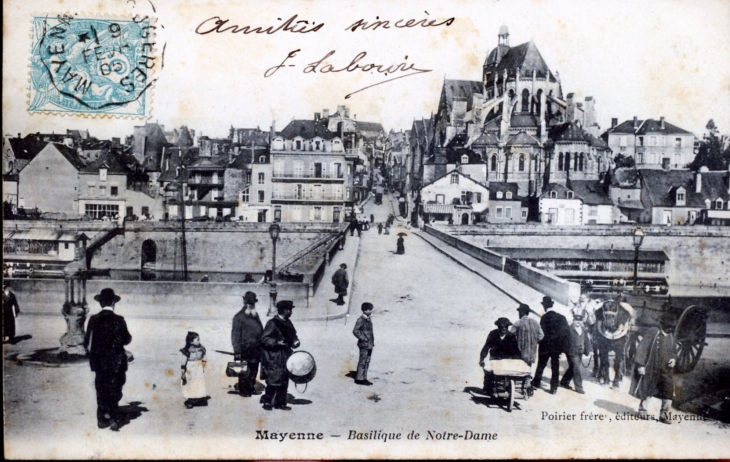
[{"x": 92, "y": 65}]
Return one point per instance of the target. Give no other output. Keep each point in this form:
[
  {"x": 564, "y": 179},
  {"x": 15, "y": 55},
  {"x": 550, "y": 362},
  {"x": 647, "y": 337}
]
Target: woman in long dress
[
  {"x": 400, "y": 246},
  {"x": 193, "y": 372}
]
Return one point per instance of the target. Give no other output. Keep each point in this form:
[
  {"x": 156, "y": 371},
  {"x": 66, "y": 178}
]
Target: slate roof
[
  {"x": 70, "y": 155},
  {"x": 110, "y": 160},
  {"x": 26, "y": 149},
  {"x": 245, "y": 157},
  {"x": 461, "y": 89},
  {"x": 485, "y": 139},
  {"x": 369, "y": 129},
  {"x": 647, "y": 126},
  {"x": 522, "y": 139},
  {"x": 504, "y": 187},
  {"x": 591, "y": 192},
  {"x": 307, "y": 129},
  {"x": 455, "y": 171},
  {"x": 209, "y": 163},
  {"x": 252, "y": 135},
  {"x": 569, "y": 132},
  {"x": 492, "y": 56},
  {"x": 625, "y": 177},
  {"x": 661, "y": 187},
  {"x": 525, "y": 57},
  {"x": 524, "y": 121},
  {"x": 557, "y": 187}
]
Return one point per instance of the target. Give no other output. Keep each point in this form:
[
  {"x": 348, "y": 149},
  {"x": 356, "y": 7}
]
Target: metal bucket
[{"x": 301, "y": 367}]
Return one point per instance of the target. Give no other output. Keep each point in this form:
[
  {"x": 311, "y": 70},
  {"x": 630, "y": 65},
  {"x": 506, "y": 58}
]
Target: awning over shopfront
[
  {"x": 40, "y": 235},
  {"x": 438, "y": 208}
]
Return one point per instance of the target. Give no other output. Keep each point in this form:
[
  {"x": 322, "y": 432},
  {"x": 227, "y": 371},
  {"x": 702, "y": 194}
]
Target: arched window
[
  {"x": 553, "y": 194},
  {"x": 575, "y": 163},
  {"x": 567, "y": 161},
  {"x": 493, "y": 167},
  {"x": 508, "y": 195},
  {"x": 560, "y": 162},
  {"x": 522, "y": 163},
  {"x": 525, "y": 100},
  {"x": 538, "y": 100},
  {"x": 464, "y": 159},
  {"x": 511, "y": 93},
  {"x": 580, "y": 163}
]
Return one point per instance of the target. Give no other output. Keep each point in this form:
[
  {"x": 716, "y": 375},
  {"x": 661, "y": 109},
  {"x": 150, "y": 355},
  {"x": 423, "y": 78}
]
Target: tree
[
  {"x": 623, "y": 161},
  {"x": 714, "y": 152}
]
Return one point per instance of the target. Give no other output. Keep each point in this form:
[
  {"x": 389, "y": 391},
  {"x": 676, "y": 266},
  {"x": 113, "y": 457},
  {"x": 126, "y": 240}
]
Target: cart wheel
[
  {"x": 690, "y": 335},
  {"x": 511, "y": 397}
]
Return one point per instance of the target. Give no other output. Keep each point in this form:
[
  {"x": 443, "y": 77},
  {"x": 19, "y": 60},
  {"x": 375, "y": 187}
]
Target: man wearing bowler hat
[
  {"x": 246, "y": 340},
  {"x": 341, "y": 282},
  {"x": 279, "y": 339},
  {"x": 500, "y": 344},
  {"x": 106, "y": 336},
  {"x": 365, "y": 342},
  {"x": 556, "y": 341}
]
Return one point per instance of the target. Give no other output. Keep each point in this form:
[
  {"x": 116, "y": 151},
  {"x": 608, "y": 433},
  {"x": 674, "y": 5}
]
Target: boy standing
[{"x": 365, "y": 342}]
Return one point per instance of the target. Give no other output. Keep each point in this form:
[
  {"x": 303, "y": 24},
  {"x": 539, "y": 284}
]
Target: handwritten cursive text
[
  {"x": 400, "y": 24},
  {"x": 215, "y": 24}
]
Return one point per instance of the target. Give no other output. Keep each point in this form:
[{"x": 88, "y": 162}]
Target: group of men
[{"x": 547, "y": 340}]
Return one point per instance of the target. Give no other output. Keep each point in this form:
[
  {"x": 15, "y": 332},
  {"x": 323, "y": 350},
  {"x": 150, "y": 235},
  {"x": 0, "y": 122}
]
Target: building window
[
  {"x": 522, "y": 164},
  {"x": 114, "y": 191},
  {"x": 454, "y": 178},
  {"x": 277, "y": 214},
  {"x": 297, "y": 213},
  {"x": 65, "y": 245},
  {"x": 680, "y": 196},
  {"x": 102, "y": 174},
  {"x": 622, "y": 141},
  {"x": 567, "y": 161},
  {"x": 440, "y": 199},
  {"x": 213, "y": 194},
  {"x": 580, "y": 162},
  {"x": 298, "y": 144},
  {"x": 98, "y": 211},
  {"x": 718, "y": 204},
  {"x": 261, "y": 178},
  {"x": 347, "y": 192},
  {"x": 499, "y": 212},
  {"x": 677, "y": 142},
  {"x": 568, "y": 194},
  {"x": 145, "y": 211},
  {"x": 318, "y": 214},
  {"x": 493, "y": 167},
  {"x": 245, "y": 196},
  {"x": 479, "y": 198},
  {"x": 652, "y": 141},
  {"x": 524, "y": 214},
  {"x": 464, "y": 159},
  {"x": 560, "y": 162},
  {"x": 338, "y": 170},
  {"x": 553, "y": 194},
  {"x": 102, "y": 190},
  {"x": 508, "y": 195},
  {"x": 91, "y": 190},
  {"x": 261, "y": 197},
  {"x": 641, "y": 140},
  {"x": 508, "y": 212}
]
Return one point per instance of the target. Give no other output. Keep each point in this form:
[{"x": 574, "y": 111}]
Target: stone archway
[
  {"x": 149, "y": 255},
  {"x": 464, "y": 218}
]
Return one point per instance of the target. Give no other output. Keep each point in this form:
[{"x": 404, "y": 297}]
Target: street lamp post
[
  {"x": 274, "y": 231},
  {"x": 638, "y": 239}
]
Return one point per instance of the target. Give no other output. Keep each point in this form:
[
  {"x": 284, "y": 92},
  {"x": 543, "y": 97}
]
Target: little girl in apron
[{"x": 193, "y": 372}]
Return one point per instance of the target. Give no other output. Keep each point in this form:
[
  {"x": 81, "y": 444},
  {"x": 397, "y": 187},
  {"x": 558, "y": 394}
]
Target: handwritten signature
[{"x": 325, "y": 68}]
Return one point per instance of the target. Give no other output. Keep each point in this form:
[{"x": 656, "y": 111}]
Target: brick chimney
[
  {"x": 316, "y": 116},
  {"x": 661, "y": 122},
  {"x": 614, "y": 122},
  {"x": 636, "y": 122}
]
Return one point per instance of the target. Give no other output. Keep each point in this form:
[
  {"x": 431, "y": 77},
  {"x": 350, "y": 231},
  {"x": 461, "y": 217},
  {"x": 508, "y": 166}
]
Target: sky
[{"x": 647, "y": 59}]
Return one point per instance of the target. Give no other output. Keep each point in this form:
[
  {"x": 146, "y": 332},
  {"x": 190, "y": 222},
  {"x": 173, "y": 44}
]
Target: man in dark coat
[
  {"x": 11, "y": 310},
  {"x": 654, "y": 364},
  {"x": 353, "y": 226},
  {"x": 500, "y": 344},
  {"x": 246, "y": 340},
  {"x": 341, "y": 282},
  {"x": 365, "y": 342},
  {"x": 279, "y": 339},
  {"x": 106, "y": 336},
  {"x": 577, "y": 346},
  {"x": 556, "y": 341},
  {"x": 400, "y": 246}
]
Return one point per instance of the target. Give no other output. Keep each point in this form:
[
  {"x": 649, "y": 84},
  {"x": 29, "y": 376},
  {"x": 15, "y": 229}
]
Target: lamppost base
[{"x": 72, "y": 342}]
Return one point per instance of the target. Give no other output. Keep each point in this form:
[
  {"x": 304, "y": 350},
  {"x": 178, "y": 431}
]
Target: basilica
[{"x": 524, "y": 129}]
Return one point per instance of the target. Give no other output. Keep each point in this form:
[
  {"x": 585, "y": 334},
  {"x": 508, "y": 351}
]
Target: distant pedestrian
[
  {"x": 578, "y": 345},
  {"x": 279, "y": 339},
  {"x": 11, "y": 310},
  {"x": 380, "y": 228},
  {"x": 372, "y": 218},
  {"x": 556, "y": 341},
  {"x": 248, "y": 279},
  {"x": 353, "y": 226},
  {"x": 654, "y": 364},
  {"x": 246, "y": 340},
  {"x": 341, "y": 283},
  {"x": 358, "y": 227},
  {"x": 365, "y": 342},
  {"x": 205, "y": 278},
  {"x": 400, "y": 246},
  {"x": 500, "y": 344},
  {"x": 193, "y": 372},
  {"x": 106, "y": 336},
  {"x": 529, "y": 333}
]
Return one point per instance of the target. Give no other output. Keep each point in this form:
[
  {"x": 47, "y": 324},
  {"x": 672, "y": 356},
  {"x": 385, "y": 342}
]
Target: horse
[{"x": 613, "y": 321}]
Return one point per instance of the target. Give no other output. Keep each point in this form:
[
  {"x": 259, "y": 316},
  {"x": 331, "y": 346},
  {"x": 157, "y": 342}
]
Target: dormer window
[
  {"x": 508, "y": 195},
  {"x": 569, "y": 194},
  {"x": 464, "y": 159},
  {"x": 499, "y": 194},
  {"x": 102, "y": 174},
  {"x": 262, "y": 159},
  {"x": 681, "y": 196},
  {"x": 718, "y": 204},
  {"x": 553, "y": 194}
]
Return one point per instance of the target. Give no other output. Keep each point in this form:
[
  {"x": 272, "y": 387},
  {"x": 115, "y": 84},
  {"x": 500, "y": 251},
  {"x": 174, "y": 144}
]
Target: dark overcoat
[
  {"x": 653, "y": 353},
  {"x": 500, "y": 348},
  {"x": 341, "y": 281},
  {"x": 557, "y": 333},
  {"x": 106, "y": 336},
  {"x": 246, "y": 336},
  {"x": 10, "y": 311},
  {"x": 275, "y": 355}
]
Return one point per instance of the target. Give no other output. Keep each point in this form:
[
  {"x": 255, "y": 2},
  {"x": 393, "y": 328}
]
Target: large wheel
[
  {"x": 690, "y": 335},
  {"x": 511, "y": 397}
]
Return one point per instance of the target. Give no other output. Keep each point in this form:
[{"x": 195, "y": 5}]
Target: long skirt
[{"x": 195, "y": 378}]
